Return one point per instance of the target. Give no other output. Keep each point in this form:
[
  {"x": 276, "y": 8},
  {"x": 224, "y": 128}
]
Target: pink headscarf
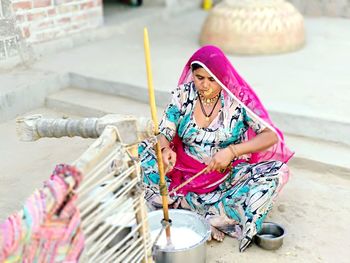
[{"x": 214, "y": 61}]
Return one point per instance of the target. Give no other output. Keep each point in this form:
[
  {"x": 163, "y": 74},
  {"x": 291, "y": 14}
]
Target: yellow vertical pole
[
  {"x": 152, "y": 102},
  {"x": 207, "y": 4}
]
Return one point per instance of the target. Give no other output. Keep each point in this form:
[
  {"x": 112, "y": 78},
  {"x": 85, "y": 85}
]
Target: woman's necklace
[
  {"x": 207, "y": 116},
  {"x": 208, "y": 101}
]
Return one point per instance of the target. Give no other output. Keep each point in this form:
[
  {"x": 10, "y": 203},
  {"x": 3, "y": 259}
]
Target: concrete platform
[
  {"x": 307, "y": 92},
  {"x": 312, "y": 81},
  {"x": 316, "y": 155}
]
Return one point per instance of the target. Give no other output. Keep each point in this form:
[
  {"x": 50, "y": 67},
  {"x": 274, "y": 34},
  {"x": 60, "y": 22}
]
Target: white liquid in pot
[{"x": 181, "y": 237}]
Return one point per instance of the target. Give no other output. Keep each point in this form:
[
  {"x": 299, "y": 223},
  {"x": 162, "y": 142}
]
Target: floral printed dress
[{"x": 239, "y": 205}]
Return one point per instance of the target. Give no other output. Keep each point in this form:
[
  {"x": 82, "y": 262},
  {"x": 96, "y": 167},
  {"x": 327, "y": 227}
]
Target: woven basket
[{"x": 253, "y": 27}]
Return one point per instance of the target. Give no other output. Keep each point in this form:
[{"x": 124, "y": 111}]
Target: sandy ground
[
  {"x": 314, "y": 208},
  {"x": 26, "y": 165}
]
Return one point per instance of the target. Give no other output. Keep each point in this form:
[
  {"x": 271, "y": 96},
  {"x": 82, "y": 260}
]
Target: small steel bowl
[{"x": 270, "y": 236}]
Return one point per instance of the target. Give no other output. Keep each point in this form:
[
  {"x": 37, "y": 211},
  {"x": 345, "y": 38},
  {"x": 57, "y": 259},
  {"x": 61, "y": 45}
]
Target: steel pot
[{"x": 181, "y": 219}]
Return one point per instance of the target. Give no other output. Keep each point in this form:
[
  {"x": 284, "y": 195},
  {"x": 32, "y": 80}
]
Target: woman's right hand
[{"x": 169, "y": 158}]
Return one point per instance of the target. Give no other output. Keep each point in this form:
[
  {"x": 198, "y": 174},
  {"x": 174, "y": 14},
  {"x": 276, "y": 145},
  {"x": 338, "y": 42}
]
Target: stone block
[
  {"x": 61, "y": 2},
  {"x": 334, "y": 8},
  {"x": 42, "y": 3},
  {"x": 23, "y": 5},
  {"x": 299, "y": 4},
  {"x": 36, "y": 16},
  {"x": 346, "y": 12},
  {"x": 314, "y": 7}
]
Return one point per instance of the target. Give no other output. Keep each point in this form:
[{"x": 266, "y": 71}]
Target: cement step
[
  {"x": 297, "y": 121},
  {"x": 25, "y": 90},
  {"x": 319, "y": 155},
  {"x": 93, "y": 104},
  {"x": 316, "y": 155}
]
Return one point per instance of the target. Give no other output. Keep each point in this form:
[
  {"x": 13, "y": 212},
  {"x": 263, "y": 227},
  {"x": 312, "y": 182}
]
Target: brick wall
[
  {"x": 43, "y": 20},
  {"x": 332, "y": 8}
]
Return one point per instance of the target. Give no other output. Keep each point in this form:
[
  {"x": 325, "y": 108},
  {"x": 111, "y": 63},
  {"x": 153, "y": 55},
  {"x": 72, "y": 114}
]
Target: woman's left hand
[{"x": 220, "y": 160}]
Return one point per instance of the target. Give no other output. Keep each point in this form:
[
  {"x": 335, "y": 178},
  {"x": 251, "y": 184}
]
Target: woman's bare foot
[{"x": 217, "y": 234}]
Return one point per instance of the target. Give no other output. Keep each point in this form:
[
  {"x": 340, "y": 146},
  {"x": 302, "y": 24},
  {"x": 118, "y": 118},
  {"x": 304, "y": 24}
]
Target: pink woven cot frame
[
  {"x": 47, "y": 229},
  {"x": 72, "y": 219}
]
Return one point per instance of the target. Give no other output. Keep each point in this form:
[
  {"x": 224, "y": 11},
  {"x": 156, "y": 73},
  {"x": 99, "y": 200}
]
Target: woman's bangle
[{"x": 233, "y": 149}]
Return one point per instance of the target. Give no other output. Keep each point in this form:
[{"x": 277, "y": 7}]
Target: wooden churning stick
[
  {"x": 152, "y": 102},
  {"x": 187, "y": 181}
]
